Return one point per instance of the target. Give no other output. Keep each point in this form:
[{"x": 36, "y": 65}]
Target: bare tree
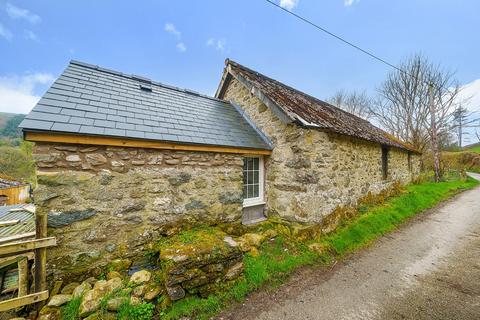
[
  {"x": 462, "y": 120},
  {"x": 410, "y": 111},
  {"x": 357, "y": 103}
]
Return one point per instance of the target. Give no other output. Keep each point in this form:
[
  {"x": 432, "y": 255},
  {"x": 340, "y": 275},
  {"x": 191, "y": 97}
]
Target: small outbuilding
[{"x": 13, "y": 192}]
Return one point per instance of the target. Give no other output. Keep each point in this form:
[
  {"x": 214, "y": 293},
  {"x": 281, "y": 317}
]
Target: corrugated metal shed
[
  {"x": 7, "y": 183},
  {"x": 90, "y": 100},
  {"x": 308, "y": 111},
  {"x": 22, "y": 212}
]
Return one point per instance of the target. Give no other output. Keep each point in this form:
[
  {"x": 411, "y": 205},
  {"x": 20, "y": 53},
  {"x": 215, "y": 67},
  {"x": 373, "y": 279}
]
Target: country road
[{"x": 428, "y": 269}]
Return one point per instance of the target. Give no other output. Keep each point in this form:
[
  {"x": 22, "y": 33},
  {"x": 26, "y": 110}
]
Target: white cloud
[
  {"x": 19, "y": 13},
  {"x": 181, "y": 47},
  {"x": 17, "y": 93},
  {"x": 218, "y": 44},
  {"x": 469, "y": 96},
  {"x": 470, "y": 93},
  {"x": 348, "y": 3},
  {"x": 289, "y": 4},
  {"x": 170, "y": 28},
  {"x": 30, "y": 35},
  {"x": 5, "y": 33}
]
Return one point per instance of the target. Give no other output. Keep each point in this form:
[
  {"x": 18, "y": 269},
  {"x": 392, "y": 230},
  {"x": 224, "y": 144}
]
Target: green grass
[
  {"x": 475, "y": 149},
  {"x": 70, "y": 310},
  {"x": 279, "y": 258},
  {"x": 379, "y": 220},
  {"x": 143, "y": 311}
]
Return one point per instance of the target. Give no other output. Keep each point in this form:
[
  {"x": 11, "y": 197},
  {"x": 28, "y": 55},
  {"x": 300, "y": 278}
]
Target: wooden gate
[{"x": 23, "y": 255}]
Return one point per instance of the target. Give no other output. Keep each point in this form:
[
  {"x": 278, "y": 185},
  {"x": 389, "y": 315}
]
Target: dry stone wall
[
  {"x": 109, "y": 202},
  {"x": 311, "y": 173}
]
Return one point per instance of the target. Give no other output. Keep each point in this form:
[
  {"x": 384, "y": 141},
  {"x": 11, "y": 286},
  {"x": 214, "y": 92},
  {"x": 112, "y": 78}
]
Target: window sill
[{"x": 247, "y": 204}]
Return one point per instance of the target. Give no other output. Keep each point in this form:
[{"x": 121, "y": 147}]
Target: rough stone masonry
[{"x": 109, "y": 202}]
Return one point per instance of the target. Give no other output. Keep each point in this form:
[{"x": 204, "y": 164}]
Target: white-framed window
[{"x": 253, "y": 181}]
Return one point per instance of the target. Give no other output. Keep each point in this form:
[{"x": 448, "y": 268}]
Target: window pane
[
  {"x": 245, "y": 164},
  {"x": 250, "y": 163},
  {"x": 255, "y": 191},
  {"x": 250, "y": 191},
  {"x": 255, "y": 163},
  {"x": 250, "y": 177},
  {"x": 255, "y": 177}
]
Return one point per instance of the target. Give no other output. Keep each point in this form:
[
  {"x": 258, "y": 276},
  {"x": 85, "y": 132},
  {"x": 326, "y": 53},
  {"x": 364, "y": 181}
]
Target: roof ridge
[
  {"x": 227, "y": 61},
  {"x": 143, "y": 79}
]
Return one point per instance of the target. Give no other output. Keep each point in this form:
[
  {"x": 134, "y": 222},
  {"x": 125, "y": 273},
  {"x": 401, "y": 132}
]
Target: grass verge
[
  {"x": 278, "y": 258},
  {"x": 378, "y": 220}
]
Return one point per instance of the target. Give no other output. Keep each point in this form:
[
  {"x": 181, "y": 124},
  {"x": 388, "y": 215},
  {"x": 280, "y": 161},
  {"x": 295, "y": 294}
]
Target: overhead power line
[{"x": 313, "y": 24}]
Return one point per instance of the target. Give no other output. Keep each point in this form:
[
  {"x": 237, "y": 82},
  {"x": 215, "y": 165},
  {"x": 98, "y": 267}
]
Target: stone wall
[
  {"x": 311, "y": 173},
  {"x": 109, "y": 202}
]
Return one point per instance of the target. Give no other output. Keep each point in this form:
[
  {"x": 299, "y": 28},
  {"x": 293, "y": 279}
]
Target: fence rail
[{"x": 15, "y": 252}]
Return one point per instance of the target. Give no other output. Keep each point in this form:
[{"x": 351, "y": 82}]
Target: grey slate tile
[
  {"x": 37, "y": 124},
  {"x": 154, "y": 136},
  {"x": 65, "y": 127},
  {"x": 96, "y": 115},
  {"x": 135, "y": 134},
  {"x": 121, "y": 125},
  {"x": 92, "y": 130},
  {"x": 47, "y": 116},
  {"x": 86, "y": 107},
  {"x": 80, "y": 120},
  {"x": 115, "y": 118},
  {"x": 115, "y": 132},
  {"x": 48, "y": 109},
  {"x": 104, "y": 123},
  {"x": 143, "y": 128},
  {"x": 73, "y": 112}
]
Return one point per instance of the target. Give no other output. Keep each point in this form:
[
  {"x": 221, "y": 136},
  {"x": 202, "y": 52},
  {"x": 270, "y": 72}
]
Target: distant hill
[
  {"x": 9, "y": 132},
  {"x": 473, "y": 147}
]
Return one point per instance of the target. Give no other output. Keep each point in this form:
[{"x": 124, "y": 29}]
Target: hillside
[
  {"x": 9, "y": 132},
  {"x": 473, "y": 147}
]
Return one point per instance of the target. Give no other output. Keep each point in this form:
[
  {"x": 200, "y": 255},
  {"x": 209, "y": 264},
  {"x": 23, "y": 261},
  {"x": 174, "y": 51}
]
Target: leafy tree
[{"x": 11, "y": 126}]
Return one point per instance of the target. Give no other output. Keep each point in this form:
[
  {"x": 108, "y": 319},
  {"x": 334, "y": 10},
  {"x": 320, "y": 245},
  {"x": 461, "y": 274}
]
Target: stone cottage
[{"x": 122, "y": 159}]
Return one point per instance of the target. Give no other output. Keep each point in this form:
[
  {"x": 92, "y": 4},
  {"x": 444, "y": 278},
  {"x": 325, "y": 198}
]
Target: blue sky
[{"x": 184, "y": 43}]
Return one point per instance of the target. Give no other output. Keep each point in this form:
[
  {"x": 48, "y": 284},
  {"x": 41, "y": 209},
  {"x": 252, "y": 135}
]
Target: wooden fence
[{"x": 15, "y": 252}]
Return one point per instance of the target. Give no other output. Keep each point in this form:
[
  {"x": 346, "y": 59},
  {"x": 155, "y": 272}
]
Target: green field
[{"x": 475, "y": 149}]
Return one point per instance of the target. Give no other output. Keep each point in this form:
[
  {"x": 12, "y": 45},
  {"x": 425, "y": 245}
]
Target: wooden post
[
  {"x": 40, "y": 255},
  {"x": 22, "y": 276}
]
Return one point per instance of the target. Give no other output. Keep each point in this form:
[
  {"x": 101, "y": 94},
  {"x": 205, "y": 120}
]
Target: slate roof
[
  {"x": 90, "y": 100},
  {"x": 308, "y": 111}
]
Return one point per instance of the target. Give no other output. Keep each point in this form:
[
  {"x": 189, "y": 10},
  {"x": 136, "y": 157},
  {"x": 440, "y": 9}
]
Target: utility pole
[{"x": 433, "y": 130}]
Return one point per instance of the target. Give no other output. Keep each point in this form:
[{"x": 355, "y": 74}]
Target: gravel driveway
[{"x": 429, "y": 269}]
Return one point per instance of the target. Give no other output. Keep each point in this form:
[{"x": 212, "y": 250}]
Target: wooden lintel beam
[
  {"x": 23, "y": 301},
  {"x": 23, "y": 246},
  {"x": 134, "y": 143}
]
